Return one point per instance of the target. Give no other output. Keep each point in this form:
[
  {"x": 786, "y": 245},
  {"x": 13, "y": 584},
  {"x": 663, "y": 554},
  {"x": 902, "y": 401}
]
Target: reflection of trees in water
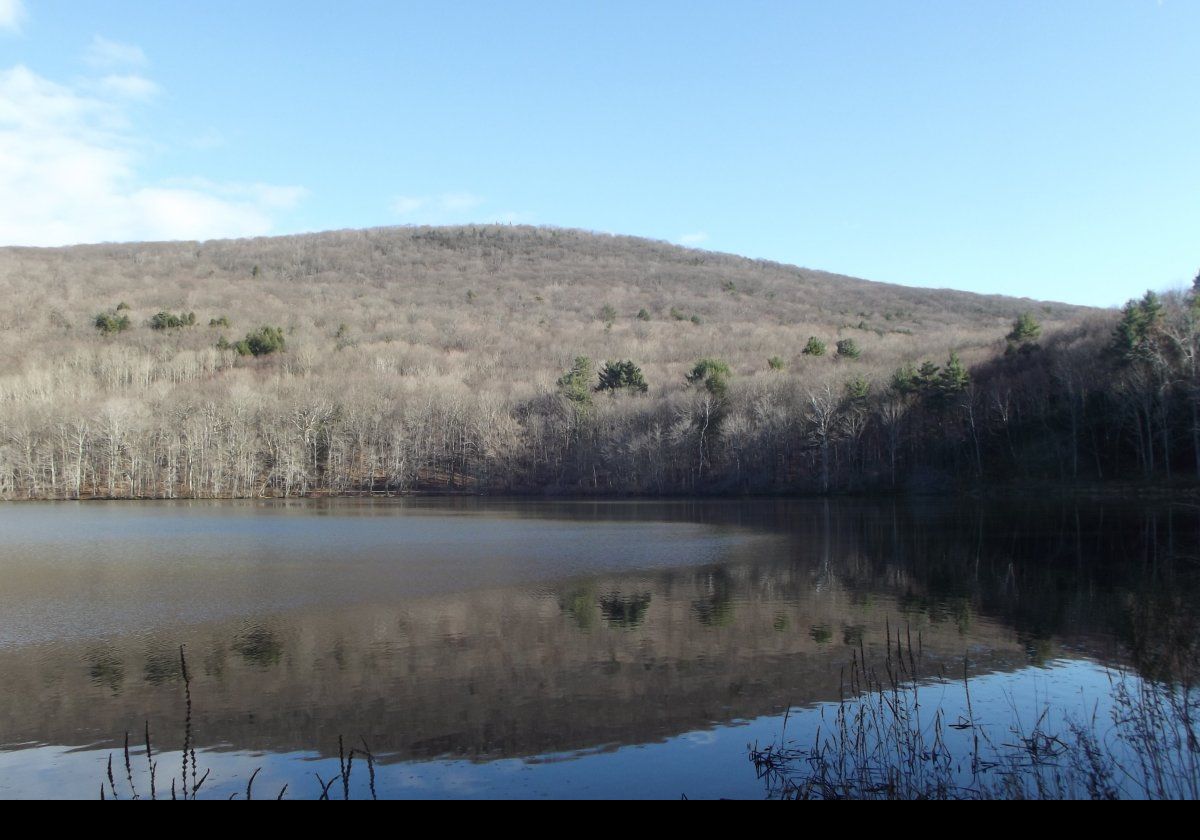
[
  {"x": 1096, "y": 580},
  {"x": 716, "y": 608},
  {"x": 625, "y": 611},
  {"x": 822, "y": 634},
  {"x": 1162, "y": 631},
  {"x": 214, "y": 660},
  {"x": 938, "y": 610},
  {"x": 1089, "y": 571},
  {"x": 105, "y": 669},
  {"x": 162, "y": 666},
  {"x": 259, "y": 646},
  {"x": 580, "y": 605}
]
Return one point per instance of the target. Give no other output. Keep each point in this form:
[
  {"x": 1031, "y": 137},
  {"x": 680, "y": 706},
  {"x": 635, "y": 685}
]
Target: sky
[{"x": 1040, "y": 149}]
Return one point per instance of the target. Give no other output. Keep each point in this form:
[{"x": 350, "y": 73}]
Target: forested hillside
[{"x": 513, "y": 359}]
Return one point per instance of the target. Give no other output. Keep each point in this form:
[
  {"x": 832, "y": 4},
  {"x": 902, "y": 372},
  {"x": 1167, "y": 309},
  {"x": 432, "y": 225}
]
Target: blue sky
[{"x": 1047, "y": 149}]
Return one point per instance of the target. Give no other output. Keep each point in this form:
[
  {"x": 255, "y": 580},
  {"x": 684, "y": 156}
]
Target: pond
[{"x": 517, "y": 648}]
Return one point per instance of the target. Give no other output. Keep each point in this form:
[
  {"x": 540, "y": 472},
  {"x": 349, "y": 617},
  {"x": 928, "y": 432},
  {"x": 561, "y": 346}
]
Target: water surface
[{"x": 525, "y": 648}]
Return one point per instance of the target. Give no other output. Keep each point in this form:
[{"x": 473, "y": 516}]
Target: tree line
[
  {"x": 535, "y": 360},
  {"x": 1112, "y": 397}
]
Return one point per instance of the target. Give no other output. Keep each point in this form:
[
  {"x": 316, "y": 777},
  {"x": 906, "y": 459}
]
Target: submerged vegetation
[{"x": 425, "y": 358}]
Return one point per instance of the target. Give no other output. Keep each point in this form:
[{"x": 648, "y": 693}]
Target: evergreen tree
[
  {"x": 954, "y": 377},
  {"x": 714, "y": 374},
  {"x": 618, "y": 376},
  {"x": 110, "y": 324},
  {"x": 857, "y": 390},
  {"x": 1025, "y": 333},
  {"x": 1135, "y": 334},
  {"x": 575, "y": 384},
  {"x": 927, "y": 375},
  {"x": 906, "y": 380},
  {"x": 262, "y": 342}
]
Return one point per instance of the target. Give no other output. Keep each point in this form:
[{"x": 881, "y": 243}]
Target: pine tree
[
  {"x": 714, "y": 374},
  {"x": 857, "y": 390},
  {"x": 575, "y": 384},
  {"x": 1134, "y": 336},
  {"x": 954, "y": 377},
  {"x": 1025, "y": 333},
  {"x": 618, "y": 376},
  {"x": 262, "y": 342}
]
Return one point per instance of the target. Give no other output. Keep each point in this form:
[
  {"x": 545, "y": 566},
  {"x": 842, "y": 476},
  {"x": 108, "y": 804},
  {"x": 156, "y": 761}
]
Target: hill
[{"x": 432, "y": 358}]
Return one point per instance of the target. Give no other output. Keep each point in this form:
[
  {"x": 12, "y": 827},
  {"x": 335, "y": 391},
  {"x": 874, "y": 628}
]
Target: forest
[{"x": 519, "y": 360}]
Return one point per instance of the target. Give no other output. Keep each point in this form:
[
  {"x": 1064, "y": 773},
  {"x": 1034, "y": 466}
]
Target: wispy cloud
[
  {"x": 209, "y": 138},
  {"x": 128, "y": 86},
  {"x": 104, "y": 54},
  {"x": 696, "y": 238},
  {"x": 446, "y": 204},
  {"x": 70, "y": 171},
  {"x": 12, "y": 15}
]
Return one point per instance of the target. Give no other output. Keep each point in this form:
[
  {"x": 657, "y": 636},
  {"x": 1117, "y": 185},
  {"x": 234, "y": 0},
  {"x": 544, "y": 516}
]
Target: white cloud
[
  {"x": 104, "y": 54},
  {"x": 69, "y": 164},
  {"x": 693, "y": 238},
  {"x": 209, "y": 138},
  {"x": 12, "y": 14},
  {"x": 459, "y": 202},
  {"x": 407, "y": 205},
  {"x": 432, "y": 209},
  {"x": 267, "y": 195},
  {"x": 128, "y": 86}
]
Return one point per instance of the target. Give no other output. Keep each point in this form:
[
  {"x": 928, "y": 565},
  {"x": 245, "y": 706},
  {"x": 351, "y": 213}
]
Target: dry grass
[{"x": 883, "y": 742}]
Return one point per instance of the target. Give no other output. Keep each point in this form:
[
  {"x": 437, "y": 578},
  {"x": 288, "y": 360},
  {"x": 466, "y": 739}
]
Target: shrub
[
  {"x": 109, "y": 323},
  {"x": 167, "y": 321},
  {"x": 815, "y": 347},
  {"x": 643, "y": 315},
  {"x": 847, "y": 348},
  {"x": 608, "y": 314},
  {"x": 776, "y": 363},
  {"x": 617, "y": 376},
  {"x": 223, "y": 321}
]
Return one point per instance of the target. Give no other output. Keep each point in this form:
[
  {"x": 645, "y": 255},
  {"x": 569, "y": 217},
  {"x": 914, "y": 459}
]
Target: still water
[{"x": 490, "y": 648}]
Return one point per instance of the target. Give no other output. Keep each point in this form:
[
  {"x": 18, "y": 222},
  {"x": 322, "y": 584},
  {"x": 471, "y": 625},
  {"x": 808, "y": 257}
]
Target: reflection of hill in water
[
  {"x": 500, "y": 672},
  {"x": 622, "y": 658}
]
